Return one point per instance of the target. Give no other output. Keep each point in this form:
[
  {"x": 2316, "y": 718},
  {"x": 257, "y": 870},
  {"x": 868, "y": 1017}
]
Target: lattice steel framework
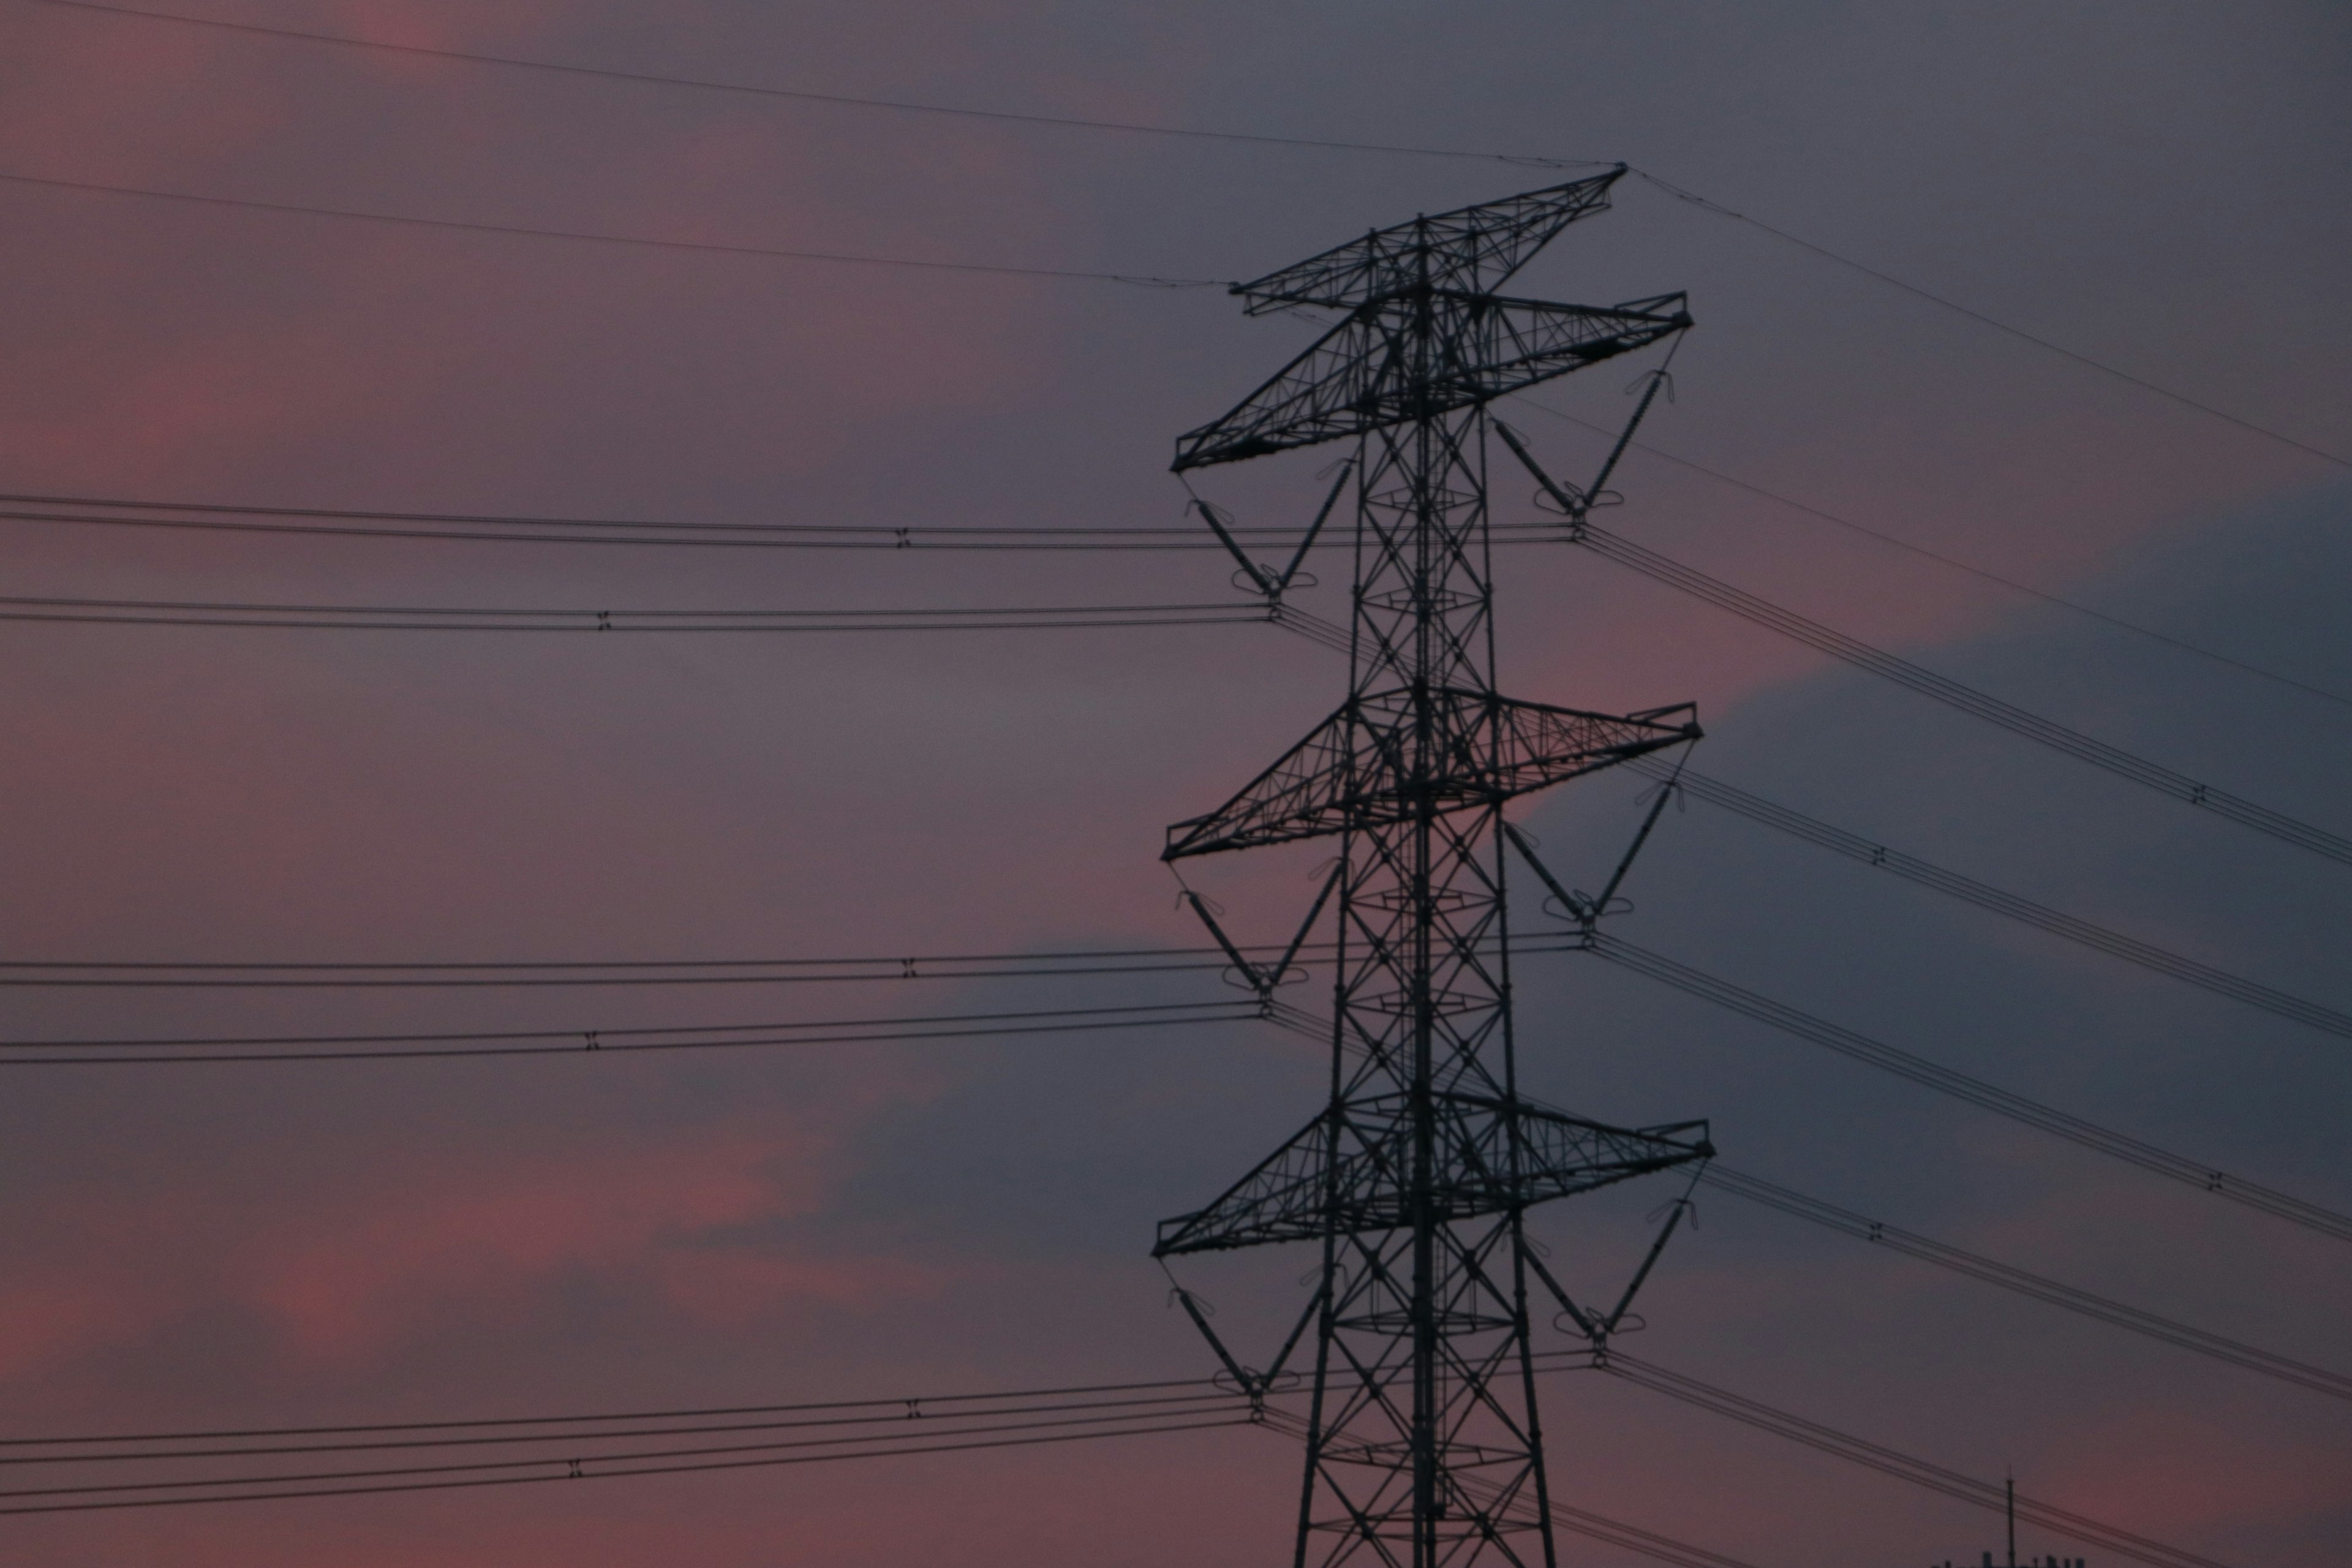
[{"x": 1423, "y": 1445}]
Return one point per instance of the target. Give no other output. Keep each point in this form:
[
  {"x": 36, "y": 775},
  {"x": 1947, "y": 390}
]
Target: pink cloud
[
  {"x": 733, "y": 1291},
  {"x": 346, "y": 1268},
  {"x": 347, "y": 1282},
  {"x": 51, "y": 1313}
]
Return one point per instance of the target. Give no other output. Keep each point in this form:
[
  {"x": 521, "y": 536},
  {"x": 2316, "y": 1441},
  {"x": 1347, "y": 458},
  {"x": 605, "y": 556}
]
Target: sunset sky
[{"x": 2156, "y": 185}]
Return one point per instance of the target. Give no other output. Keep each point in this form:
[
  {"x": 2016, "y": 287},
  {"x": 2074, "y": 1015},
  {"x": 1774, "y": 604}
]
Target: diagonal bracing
[{"x": 1423, "y": 1442}]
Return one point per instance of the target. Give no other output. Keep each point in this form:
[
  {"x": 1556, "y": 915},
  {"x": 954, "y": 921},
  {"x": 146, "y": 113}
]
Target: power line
[
  {"x": 785, "y": 972},
  {"x": 474, "y": 528},
  {"x": 1140, "y": 128},
  {"x": 638, "y": 241},
  {"x": 298, "y": 974},
  {"x": 2036, "y": 1287},
  {"x": 575, "y": 1039},
  {"x": 355, "y": 524},
  {"x": 892, "y": 1422},
  {"x": 582, "y": 1447},
  {"x": 1953, "y": 563},
  {"x": 1074, "y": 123},
  {"x": 1966, "y": 699},
  {"x": 645, "y": 1462},
  {"x": 1313, "y": 628},
  {"x": 572, "y": 1042},
  {"x": 1975, "y": 1091},
  {"x": 86, "y": 1452},
  {"x": 1168, "y": 1405},
  {"x": 912, "y": 966},
  {"x": 490, "y": 528},
  {"x": 1634, "y": 1538},
  {"x": 905, "y": 105},
  {"x": 1995, "y": 323},
  {"x": 1593, "y": 1526},
  {"x": 1984, "y": 896},
  {"x": 444, "y": 618},
  {"x": 615, "y": 972},
  {"x": 479, "y": 528},
  {"x": 1891, "y": 1462},
  {"x": 703, "y": 1412},
  {"x": 1131, "y": 1410},
  {"x": 375, "y": 1046},
  {"x": 886, "y": 536},
  {"x": 778, "y": 536}
]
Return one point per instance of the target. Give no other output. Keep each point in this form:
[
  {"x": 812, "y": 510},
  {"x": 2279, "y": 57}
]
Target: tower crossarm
[
  {"x": 1419, "y": 354},
  {"x": 1386, "y": 758},
  {"x": 1472, "y": 247},
  {"x": 1424, "y": 1449},
  {"x": 1348, "y": 1172}
]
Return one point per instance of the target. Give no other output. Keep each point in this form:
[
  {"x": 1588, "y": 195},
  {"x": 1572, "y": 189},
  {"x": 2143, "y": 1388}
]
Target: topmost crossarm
[{"x": 1471, "y": 250}]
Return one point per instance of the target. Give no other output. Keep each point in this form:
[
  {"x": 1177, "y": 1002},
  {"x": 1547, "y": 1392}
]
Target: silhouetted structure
[
  {"x": 1423, "y": 1441},
  {"x": 2008, "y": 1491}
]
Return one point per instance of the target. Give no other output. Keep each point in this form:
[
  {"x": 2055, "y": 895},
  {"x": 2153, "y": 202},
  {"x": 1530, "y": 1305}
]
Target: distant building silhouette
[{"x": 2009, "y": 1488}]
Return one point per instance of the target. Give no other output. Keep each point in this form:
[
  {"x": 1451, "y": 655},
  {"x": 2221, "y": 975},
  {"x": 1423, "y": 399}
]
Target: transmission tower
[{"x": 1422, "y": 1442}]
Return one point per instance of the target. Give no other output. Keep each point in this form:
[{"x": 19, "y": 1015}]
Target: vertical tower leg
[{"x": 1424, "y": 1449}]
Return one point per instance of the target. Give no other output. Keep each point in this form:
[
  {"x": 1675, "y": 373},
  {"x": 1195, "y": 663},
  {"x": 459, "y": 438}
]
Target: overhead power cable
[
  {"x": 641, "y": 242},
  {"x": 1313, "y": 628},
  {"x": 84, "y": 973},
  {"x": 490, "y": 528},
  {"x": 570, "y": 1042},
  {"x": 904, "y": 106},
  {"x": 898, "y": 1403},
  {"x": 481, "y": 528},
  {"x": 1129, "y": 128},
  {"x": 1630, "y": 1537},
  {"x": 1592, "y": 1526},
  {"x": 582, "y": 1447},
  {"x": 169, "y": 1469},
  {"x": 657, "y": 1462},
  {"x": 477, "y": 528},
  {"x": 1974, "y": 1091},
  {"x": 444, "y": 619},
  {"x": 1634, "y": 1538},
  {"x": 483, "y": 1435},
  {"x": 1953, "y": 563},
  {"x": 2036, "y": 1287},
  {"x": 1966, "y": 699},
  {"x": 1984, "y": 896},
  {"x": 1941, "y": 302},
  {"x": 73, "y": 973},
  {"x": 1892, "y": 1462},
  {"x": 434, "y": 973}
]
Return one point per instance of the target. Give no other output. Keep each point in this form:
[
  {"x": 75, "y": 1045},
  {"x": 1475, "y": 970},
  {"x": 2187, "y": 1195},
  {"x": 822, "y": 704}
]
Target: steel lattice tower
[{"x": 1422, "y": 1442}]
